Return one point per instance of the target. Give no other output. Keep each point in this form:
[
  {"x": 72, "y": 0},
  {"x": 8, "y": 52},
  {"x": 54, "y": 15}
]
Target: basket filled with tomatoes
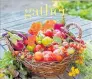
[{"x": 47, "y": 49}]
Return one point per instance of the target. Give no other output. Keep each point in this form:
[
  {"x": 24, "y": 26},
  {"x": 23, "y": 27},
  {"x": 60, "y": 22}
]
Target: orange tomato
[
  {"x": 38, "y": 56},
  {"x": 59, "y": 58},
  {"x": 31, "y": 40},
  {"x": 63, "y": 49},
  {"x": 15, "y": 53},
  {"x": 26, "y": 50}
]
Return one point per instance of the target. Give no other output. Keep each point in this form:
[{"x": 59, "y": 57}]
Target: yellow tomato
[
  {"x": 47, "y": 41},
  {"x": 30, "y": 48}
]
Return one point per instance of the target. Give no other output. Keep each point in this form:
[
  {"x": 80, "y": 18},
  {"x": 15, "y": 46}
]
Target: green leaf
[
  {"x": 14, "y": 41},
  {"x": 57, "y": 39},
  {"x": 13, "y": 38},
  {"x": 6, "y": 60},
  {"x": 77, "y": 8},
  {"x": 16, "y": 37},
  {"x": 86, "y": 69}
]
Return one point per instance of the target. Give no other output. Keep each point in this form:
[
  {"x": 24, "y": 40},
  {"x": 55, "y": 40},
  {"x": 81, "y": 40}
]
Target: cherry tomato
[
  {"x": 50, "y": 48},
  {"x": 66, "y": 45},
  {"x": 16, "y": 53},
  {"x": 84, "y": 46},
  {"x": 63, "y": 49},
  {"x": 26, "y": 50},
  {"x": 75, "y": 45},
  {"x": 71, "y": 44},
  {"x": 78, "y": 47},
  {"x": 29, "y": 57}
]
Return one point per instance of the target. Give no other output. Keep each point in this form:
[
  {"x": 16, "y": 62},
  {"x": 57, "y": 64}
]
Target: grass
[{"x": 76, "y": 8}]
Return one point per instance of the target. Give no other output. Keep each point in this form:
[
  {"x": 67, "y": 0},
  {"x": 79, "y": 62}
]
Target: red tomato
[
  {"x": 65, "y": 54},
  {"x": 78, "y": 47},
  {"x": 54, "y": 43},
  {"x": 26, "y": 50},
  {"x": 66, "y": 45},
  {"x": 50, "y": 48},
  {"x": 53, "y": 56},
  {"x": 49, "y": 33},
  {"x": 71, "y": 44},
  {"x": 75, "y": 45},
  {"x": 26, "y": 42},
  {"x": 49, "y": 56},
  {"x": 63, "y": 49},
  {"x": 38, "y": 48},
  {"x": 29, "y": 57}
]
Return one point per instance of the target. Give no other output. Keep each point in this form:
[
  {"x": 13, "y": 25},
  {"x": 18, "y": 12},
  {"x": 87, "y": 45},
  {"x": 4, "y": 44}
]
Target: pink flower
[{"x": 58, "y": 26}]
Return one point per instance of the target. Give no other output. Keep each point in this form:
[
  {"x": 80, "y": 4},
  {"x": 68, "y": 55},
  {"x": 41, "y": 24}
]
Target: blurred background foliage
[{"x": 77, "y": 7}]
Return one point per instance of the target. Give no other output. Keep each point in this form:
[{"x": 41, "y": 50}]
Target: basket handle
[
  {"x": 78, "y": 27},
  {"x": 8, "y": 44}
]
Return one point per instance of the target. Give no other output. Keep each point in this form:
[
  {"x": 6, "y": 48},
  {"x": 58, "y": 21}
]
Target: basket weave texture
[{"x": 48, "y": 69}]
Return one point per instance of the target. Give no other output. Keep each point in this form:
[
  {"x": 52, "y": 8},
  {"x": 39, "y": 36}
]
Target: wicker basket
[{"x": 48, "y": 69}]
